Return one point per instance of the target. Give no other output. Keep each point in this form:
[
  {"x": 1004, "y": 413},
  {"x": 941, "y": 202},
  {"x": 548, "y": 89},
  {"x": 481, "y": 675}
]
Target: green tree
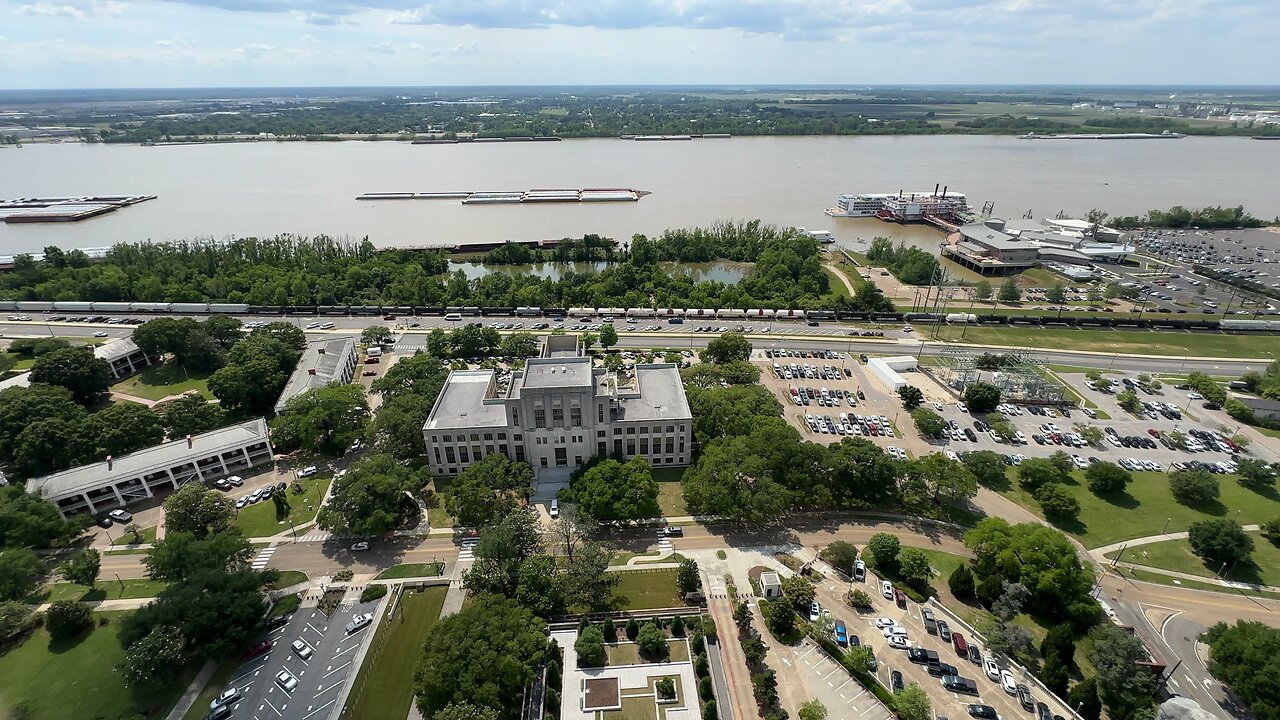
[
  {"x": 688, "y": 579},
  {"x": 982, "y": 290},
  {"x": 912, "y": 703},
  {"x": 1245, "y": 656},
  {"x": 1084, "y": 696},
  {"x": 727, "y": 348},
  {"x": 778, "y": 617},
  {"x": 519, "y": 345},
  {"x": 181, "y": 556},
  {"x": 122, "y": 428},
  {"x": 19, "y": 568},
  {"x": 324, "y": 419},
  {"x": 610, "y": 490},
  {"x": 913, "y": 566},
  {"x": 884, "y": 549},
  {"x": 217, "y": 613},
  {"x": 83, "y": 567},
  {"x": 590, "y": 647},
  {"x": 198, "y": 510},
  {"x": 1255, "y": 474},
  {"x": 285, "y": 333},
  {"x": 1106, "y": 478},
  {"x": 841, "y": 555},
  {"x": 371, "y": 498},
  {"x": 961, "y": 582},
  {"x": 987, "y": 466},
  {"x": 1271, "y": 531},
  {"x": 20, "y": 407},
  {"x": 608, "y": 336},
  {"x": 1056, "y": 294},
  {"x": 255, "y": 372},
  {"x": 372, "y": 336},
  {"x": 467, "y": 711},
  {"x": 633, "y": 629},
  {"x": 813, "y": 710},
  {"x": 588, "y": 341},
  {"x": 76, "y": 369},
  {"x": 438, "y": 344},
  {"x": 1039, "y": 557},
  {"x": 1194, "y": 487},
  {"x": 1035, "y": 473},
  {"x": 15, "y": 620},
  {"x": 155, "y": 660},
  {"x": 191, "y": 415},
  {"x": 66, "y": 619},
  {"x": 28, "y": 520},
  {"x": 1219, "y": 541},
  {"x": 1124, "y": 683},
  {"x": 652, "y": 642},
  {"x": 912, "y": 397},
  {"x": 587, "y": 580},
  {"x": 487, "y": 489},
  {"x": 928, "y": 423},
  {"x": 1128, "y": 401},
  {"x": 1060, "y": 643},
  {"x": 1009, "y": 291},
  {"x": 223, "y": 330},
  {"x": 1057, "y": 503},
  {"x": 981, "y": 397},
  {"x": 798, "y": 591}
]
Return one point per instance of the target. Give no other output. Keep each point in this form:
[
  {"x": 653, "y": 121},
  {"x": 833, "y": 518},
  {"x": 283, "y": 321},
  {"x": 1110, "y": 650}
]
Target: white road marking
[
  {"x": 273, "y": 707},
  {"x": 344, "y": 652},
  {"x": 313, "y": 712},
  {"x": 339, "y": 668},
  {"x": 331, "y": 687}
]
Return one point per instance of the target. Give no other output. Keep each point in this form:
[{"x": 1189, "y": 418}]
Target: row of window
[{"x": 465, "y": 455}]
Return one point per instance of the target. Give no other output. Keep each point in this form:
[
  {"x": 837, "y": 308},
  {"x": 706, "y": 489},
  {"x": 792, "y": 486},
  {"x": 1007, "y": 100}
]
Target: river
[{"x": 309, "y": 188}]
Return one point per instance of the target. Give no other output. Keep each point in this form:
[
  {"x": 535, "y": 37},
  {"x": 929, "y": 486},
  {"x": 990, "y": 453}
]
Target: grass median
[
  {"x": 1136, "y": 342},
  {"x": 384, "y": 686},
  {"x": 160, "y": 381},
  {"x": 262, "y": 520},
  {"x": 106, "y": 589},
  {"x": 411, "y": 570},
  {"x": 1176, "y": 555}
]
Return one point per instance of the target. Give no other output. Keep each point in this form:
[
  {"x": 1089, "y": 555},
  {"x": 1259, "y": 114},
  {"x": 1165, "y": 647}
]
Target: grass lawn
[
  {"x": 633, "y": 708},
  {"x": 835, "y": 285},
  {"x": 286, "y": 605},
  {"x": 1176, "y": 555},
  {"x": 408, "y": 570},
  {"x": 622, "y": 556},
  {"x": 161, "y": 381},
  {"x": 628, "y": 653},
  {"x": 287, "y": 578},
  {"x": 148, "y": 536},
  {"x": 1268, "y": 432},
  {"x": 1146, "y": 506},
  {"x": 1138, "y": 342},
  {"x": 221, "y": 678},
  {"x": 943, "y": 564},
  {"x": 670, "y": 492},
  {"x": 384, "y": 686},
  {"x": 260, "y": 520},
  {"x": 647, "y": 589},
  {"x": 437, "y": 515},
  {"x": 53, "y": 681},
  {"x": 1211, "y": 586},
  {"x": 106, "y": 589}
]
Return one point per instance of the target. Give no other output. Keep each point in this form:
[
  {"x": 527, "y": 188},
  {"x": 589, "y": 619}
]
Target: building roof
[
  {"x": 990, "y": 237},
  {"x": 461, "y": 403},
  {"x": 326, "y": 358},
  {"x": 165, "y": 455},
  {"x": 661, "y": 395},
  {"x": 556, "y": 372},
  {"x": 116, "y": 349}
]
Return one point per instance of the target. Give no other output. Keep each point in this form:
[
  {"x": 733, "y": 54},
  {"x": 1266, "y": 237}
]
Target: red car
[
  {"x": 369, "y": 373},
  {"x": 259, "y": 649},
  {"x": 372, "y": 361},
  {"x": 1153, "y": 432},
  {"x": 962, "y": 647},
  {"x": 899, "y": 598}
]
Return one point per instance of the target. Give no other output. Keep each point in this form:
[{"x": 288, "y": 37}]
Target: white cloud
[
  {"x": 254, "y": 49},
  {"x": 45, "y": 9},
  {"x": 416, "y": 46},
  {"x": 386, "y": 46}
]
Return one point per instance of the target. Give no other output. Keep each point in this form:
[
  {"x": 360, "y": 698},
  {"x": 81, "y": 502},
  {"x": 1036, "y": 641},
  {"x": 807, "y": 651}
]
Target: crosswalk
[
  {"x": 664, "y": 545},
  {"x": 264, "y": 557},
  {"x": 316, "y": 536},
  {"x": 467, "y": 552}
]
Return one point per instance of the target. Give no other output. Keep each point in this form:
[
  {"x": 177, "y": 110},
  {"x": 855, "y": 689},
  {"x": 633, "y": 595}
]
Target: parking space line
[
  {"x": 336, "y": 670},
  {"x": 344, "y": 652},
  {"x": 331, "y": 687},
  {"x": 313, "y": 627},
  {"x": 273, "y": 707},
  {"x": 313, "y": 712}
]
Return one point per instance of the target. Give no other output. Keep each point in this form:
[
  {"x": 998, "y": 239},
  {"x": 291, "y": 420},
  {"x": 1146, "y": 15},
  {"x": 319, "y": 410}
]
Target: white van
[
  {"x": 453, "y": 316},
  {"x": 886, "y": 589},
  {"x": 555, "y": 507}
]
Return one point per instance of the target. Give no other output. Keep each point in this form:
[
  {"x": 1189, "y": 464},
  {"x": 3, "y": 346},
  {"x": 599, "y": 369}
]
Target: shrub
[
  {"x": 343, "y": 575},
  {"x": 709, "y": 710},
  {"x": 66, "y": 619},
  {"x": 633, "y": 629},
  {"x": 653, "y": 642},
  {"x": 677, "y": 627},
  {"x": 706, "y": 689},
  {"x": 697, "y": 644},
  {"x": 857, "y": 598},
  {"x": 553, "y": 701},
  {"x": 609, "y": 630},
  {"x": 372, "y": 592},
  {"x": 666, "y": 688},
  {"x": 590, "y": 647},
  {"x": 701, "y": 668},
  {"x": 961, "y": 582},
  {"x": 1194, "y": 488}
]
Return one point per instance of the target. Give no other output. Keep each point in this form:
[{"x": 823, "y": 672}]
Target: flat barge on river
[{"x": 532, "y": 197}]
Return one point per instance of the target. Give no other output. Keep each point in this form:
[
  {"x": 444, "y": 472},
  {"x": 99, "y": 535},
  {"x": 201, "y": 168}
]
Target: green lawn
[
  {"x": 1138, "y": 342},
  {"x": 835, "y": 285},
  {"x": 1146, "y": 506},
  {"x": 260, "y": 520},
  {"x": 629, "y": 653},
  {"x": 408, "y": 570},
  {"x": 670, "y": 492},
  {"x": 1176, "y": 555},
  {"x": 106, "y": 589},
  {"x": 943, "y": 564},
  {"x": 437, "y": 516},
  {"x": 1211, "y": 586},
  {"x": 384, "y": 686},
  {"x": 124, "y": 538},
  {"x": 287, "y": 578},
  {"x": 221, "y": 678},
  {"x": 54, "y": 681},
  {"x": 647, "y": 589},
  {"x": 161, "y": 381}
]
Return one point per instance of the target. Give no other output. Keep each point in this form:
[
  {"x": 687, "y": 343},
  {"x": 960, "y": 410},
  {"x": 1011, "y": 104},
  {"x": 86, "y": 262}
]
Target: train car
[
  {"x": 371, "y": 310},
  {"x": 34, "y": 306},
  {"x": 961, "y": 318},
  {"x": 8, "y": 305},
  {"x": 641, "y": 312},
  {"x": 465, "y": 310},
  {"x": 582, "y": 311},
  {"x": 500, "y": 311},
  {"x": 529, "y": 311},
  {"x": 67, "y": 306},
  {"x": 554, "y": 312},
  {"x": 821, "y": 315},
  {"x": 149, "y": 307},
  {"x": 789, "y": 315},
  {"x": 228, "y": 308},
  {"x": 611, "y": 311},
  {"x": 731, "y": 313},
  {"x": 189, "y": 308},
  {"x": 1251, "y": 325},
  {"x": 333, "y": 309},
  {"x": 301, "y": 310}
]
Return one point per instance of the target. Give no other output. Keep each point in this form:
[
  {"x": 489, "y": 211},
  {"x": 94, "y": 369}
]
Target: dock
[
  {"x": 534, "y": 196},
  {"x": 65, "y": 209}
]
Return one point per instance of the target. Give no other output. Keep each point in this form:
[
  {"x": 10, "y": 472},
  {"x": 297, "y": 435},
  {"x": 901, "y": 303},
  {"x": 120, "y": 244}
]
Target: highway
[{"x": 791, "y": 335}]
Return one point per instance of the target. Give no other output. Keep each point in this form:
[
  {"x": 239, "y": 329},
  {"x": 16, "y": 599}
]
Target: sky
[{"x": 263, "y": 43}]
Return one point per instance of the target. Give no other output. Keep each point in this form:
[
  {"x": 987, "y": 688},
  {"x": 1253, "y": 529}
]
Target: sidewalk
[{"x": 193, "y": 690}]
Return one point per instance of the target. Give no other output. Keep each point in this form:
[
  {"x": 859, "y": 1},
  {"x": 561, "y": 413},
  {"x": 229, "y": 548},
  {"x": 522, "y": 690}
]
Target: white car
[
  {"x": 302, "y": 649},
  {"x": 886, "y": 589},
  {"x": 815, "y": 611},
  {"x": 937, "y": 406},
  {"x": 308, "y": 471},
  {"x": 1194, "y": 396},
  {"x": 962, "y": 407},
  {"x": 899, "y": 641},
  {"x": 100, "y": 334},
  {"x": 885, "y": 622},
  {"x": 358, "y": 622},
  {"x": 952, "y": 456},
  {"x": 227, "y": 697},
  {"x": 313, "y": 326},
  {"x": 286, "y": 680},
  {"x": 1008, "y": 683},
  {"x": 990, "y": 667},
  {"x": 360, "y": 546}
]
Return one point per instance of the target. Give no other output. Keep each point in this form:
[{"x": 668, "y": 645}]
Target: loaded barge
[
  {"x": 65, "y": 209},
  {"x": 535, "y": 196}
]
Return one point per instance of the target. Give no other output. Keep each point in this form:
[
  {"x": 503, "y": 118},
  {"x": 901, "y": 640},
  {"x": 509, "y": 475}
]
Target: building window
[
  {"x": 518, "y": 438},
  {"x": 631, "y": 446},
  {"x": 631, "y": 431},
  {"x": 681, "y": 428},
  {"x": 670, "y": 446},
  {"x": 502, "y": 436},
  {"x": 644, "y": 446},
  {"x": 475, "y": 452},
  {"x": 502, "y": 449},
  {"x": 487, "y": 436},
  {"x": 433, "y": 439},
  {"x": 600, "y": 413},
  {"x": 557, "y": 416},
  {"x": 575, "y": 416},
  {"x": 515, "y": 416},
  {"x": 617, "y": 431},
  {"x": 681, "y": 444},
  {"x": 671, "y": 428},
  {"x": 617, "y": 446},
  {"x": 539, "y": 417},
  {"x": 448, "y": 438},
  {"x": 437, "y": 455},
  {"x": 520, "y": 453},
  {"x": 475, "y": 437},
  {"x": 463, "y": 456},
  {"x": 600, "y": 448},
  {"x": 599, "y": 433},
  {"x": 448, "y": 454},
  {"x": 542, "y": 461}
]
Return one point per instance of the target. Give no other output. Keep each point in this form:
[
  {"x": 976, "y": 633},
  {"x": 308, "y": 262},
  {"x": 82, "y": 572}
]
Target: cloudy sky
[{"x": 181, "y": 43}]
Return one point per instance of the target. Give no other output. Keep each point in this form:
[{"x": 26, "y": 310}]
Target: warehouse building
[
  {"x": 117, "y": 482},
  {"x": 887, "y": 370},
  {"x": 559, "y": 412},
  {"x": 323, "y": 362},
  {"x": 122, "y": 356}
]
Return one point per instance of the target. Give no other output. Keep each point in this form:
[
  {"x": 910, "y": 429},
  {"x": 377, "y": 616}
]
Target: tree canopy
[
  {"x": 372, "y": 498},
  {"x": 325, "y": 419},
  {"x": 611, "y": 490},
  {"x": 487, "y": 489},
  {"x": 1246, "y": 657},
  {"x": 198, "y": 510},
  {"x": 74, "y": 368}
]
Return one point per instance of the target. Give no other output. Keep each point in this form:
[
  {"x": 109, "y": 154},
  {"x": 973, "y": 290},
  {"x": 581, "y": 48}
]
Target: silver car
[{"x": 286, "y": 680}]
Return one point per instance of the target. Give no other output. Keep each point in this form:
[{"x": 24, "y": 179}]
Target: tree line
[
  {"x": 909, "y": 264},
  {"x": 1178, "y": 217}
]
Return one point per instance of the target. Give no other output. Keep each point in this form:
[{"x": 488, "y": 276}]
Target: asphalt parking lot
[
  {"x": 320, "y": 677},
  {"x": 1248, "y": 254},
  {"x": 945, "y": 702}
]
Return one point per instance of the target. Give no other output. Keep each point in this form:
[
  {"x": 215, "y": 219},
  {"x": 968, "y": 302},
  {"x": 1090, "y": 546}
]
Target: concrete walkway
[
  {"x": 124, "y": 604},
  {"x": 193, "y": 690},
  {"x": 1101, "y": 552}
]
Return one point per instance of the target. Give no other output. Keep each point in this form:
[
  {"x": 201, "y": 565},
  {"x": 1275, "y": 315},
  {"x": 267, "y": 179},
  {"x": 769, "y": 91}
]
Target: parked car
[
  {"x": 120, "y": 516},
  {"x": 983, "y": 712},
  {"x": 103, "y": 522},
  {"x": 944, "y": 631},
  {"x": 1024, "y": 698},
  {"x": 360, "y": 621},
  {"x": 975, "y": 655},
  {"x": 228, "y": 697},
  {"x": 278, "y": 621},
  {"x": 260, "y": 648},
  {"x": 301, "y": 649},
  {"x": 962, "y": 685},
  {"x": 815, "y": 611},
  {"x": 308, "y": 471},
  {"x": 235, "y": 480},
  {"x": 990, "y": 668},
  {"x": 962, "y": 647},
  {"x": 886, "y": 589},
  {"x": 360, "y": 546},
  {"x": 859, "y": 571},
  {"x": 286, "y": 680},
  {"x": 842, "y": 634},
  {"x": 895, "y": 681},
  {"x": 1007, "y": 682}
]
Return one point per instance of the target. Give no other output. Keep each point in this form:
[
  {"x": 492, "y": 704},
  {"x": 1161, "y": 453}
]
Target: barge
[
  {"x": 65, "y": 209},
  {"x": 534, "y": 196}
]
